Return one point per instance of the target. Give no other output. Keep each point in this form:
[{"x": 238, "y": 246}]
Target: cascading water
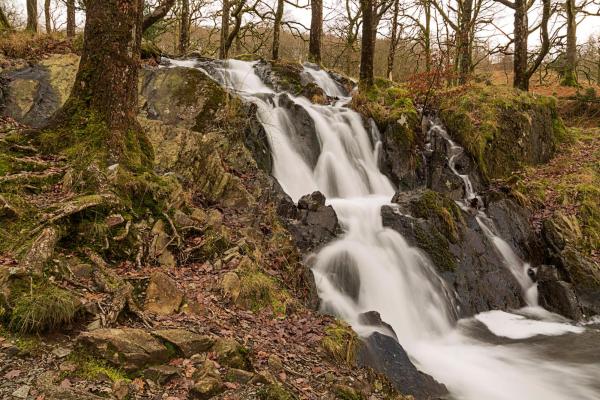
[{"x": 393, "y": 278}]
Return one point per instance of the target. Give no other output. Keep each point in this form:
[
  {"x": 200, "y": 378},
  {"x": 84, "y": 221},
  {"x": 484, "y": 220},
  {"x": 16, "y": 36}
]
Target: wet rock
[
  {"x": 161, "y": 374},
  {"x": 373, "y": 318},
  {"x": 232, "y": 354},
  {"x": 163, "y": 297},
  {"x": 386, "y": 356},
  {"x": 465, "y": 258},
  {"x": 312, "y": 202},
  {"x": 313, "y": 228},
  {"x": 302, "y": 132},
  {"x": 556, "y": 295},
  {"x": 188, "y": 343},
  {"x": 206, "y": 388},
  {"x": 399, "y": 158},
  {"x": 127, "y": 348}
]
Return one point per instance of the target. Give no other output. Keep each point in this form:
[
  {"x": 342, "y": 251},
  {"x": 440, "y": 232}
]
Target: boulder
[
  {"x": 163, "y": 297},
  {"x": 314, "y": 225},
  {"x": 386, "y": 356},
  {"x": 302, "y": 131},
  {"x": 231, "y": 286},
  {"x": 373, "y": 318},
  {"x": 206, "y": 388},
  {"x": 187, "y": 343},
  {"x": 127, "y": 348},
  {"x": 239, "y": 376},
  {"x": 556, "y": 295},
  {"x": 232, "y": 354},
  {"x": 161, "y": 374}
]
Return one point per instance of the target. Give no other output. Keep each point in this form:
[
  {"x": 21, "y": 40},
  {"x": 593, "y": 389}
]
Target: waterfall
[{"x": 393, "y": 278}]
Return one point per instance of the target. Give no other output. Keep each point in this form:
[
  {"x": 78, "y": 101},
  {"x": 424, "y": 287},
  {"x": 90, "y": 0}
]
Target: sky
[{"x": 589, "y": 26}]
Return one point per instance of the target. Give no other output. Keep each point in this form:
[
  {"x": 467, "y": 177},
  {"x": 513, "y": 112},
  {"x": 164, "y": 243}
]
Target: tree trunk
[
  {"x": 104, "y": 98},
  {"x": 316, "y": 31},
  {"x": 4, "y": 24},
  {"x": 464, "y": 41},
  {"x": 159, "y": 13},
  {"x": 47, "y": 16},
  {"x": 32, "y": 16},
  {"x": 224, "y": 29},
  {"x": 277, "y": 29},
  {"x": 427, "y": 35},
  {"x": 521, "y": 33},
  {"x": 393, "y": 42},
  {"x": 184, "y": 31},
  {"x": 570, "y": 71},
  {"x": 367, "y": 49},
  {"x": 70, "y": 18}
]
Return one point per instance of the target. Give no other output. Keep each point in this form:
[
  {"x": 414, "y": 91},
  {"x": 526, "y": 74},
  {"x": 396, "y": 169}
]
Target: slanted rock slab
[
  {"x": 127, "y": 348},
  {"x": 163, "y": 297},
  {"x": 188, "y": 343}
]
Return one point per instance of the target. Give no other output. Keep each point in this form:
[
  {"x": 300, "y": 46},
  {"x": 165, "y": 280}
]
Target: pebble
[
  {"x": 61, "y": 352},
  {"x": 22, "y": 392}
]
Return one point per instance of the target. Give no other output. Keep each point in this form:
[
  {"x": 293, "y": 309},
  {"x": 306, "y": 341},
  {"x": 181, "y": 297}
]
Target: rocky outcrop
[
  {"x": 163, "y": 297},
  {"x": 302, "y": 131},
  {"x": 458, "y": 248},
  {"x": 503, "y": 129},
  {"x": 312, "y": 224},
  {"x": 556, "y": 295},
  {"x": 34, "y": 93}
]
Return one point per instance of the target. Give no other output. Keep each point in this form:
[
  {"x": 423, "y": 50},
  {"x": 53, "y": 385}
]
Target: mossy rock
[
  {"x": 503, "y": 129},
  {"x": 441, "y": 210},
  {"x": 343, "y": 392},
  {"x": 276, "y": 392},
  {"x": 340, "y": 342}
]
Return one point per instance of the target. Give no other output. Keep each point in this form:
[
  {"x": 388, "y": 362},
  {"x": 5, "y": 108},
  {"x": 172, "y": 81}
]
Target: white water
[{"x": 395, "y": 279}]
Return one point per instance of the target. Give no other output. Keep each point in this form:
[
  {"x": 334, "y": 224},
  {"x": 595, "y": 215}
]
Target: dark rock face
[
  {"x": 556, "y": 295},
  {"x": 373, "y": 318},
  {"x": 385, "y": 355},
  {"x": 303, "y": 132},
  {"x": 399, "y": 159},
  {"x": 469, "y": 265},
  {"x": 257, "y": 142}
]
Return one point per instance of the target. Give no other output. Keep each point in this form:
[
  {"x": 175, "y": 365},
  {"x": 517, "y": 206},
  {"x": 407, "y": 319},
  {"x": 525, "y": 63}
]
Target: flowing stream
[{"x": 400, "y": 282}]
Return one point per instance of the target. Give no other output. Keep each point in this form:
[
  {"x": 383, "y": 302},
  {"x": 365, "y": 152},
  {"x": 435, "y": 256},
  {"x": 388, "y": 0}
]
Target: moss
[
  {"x": 443, "y": 212},
  {"x": 91, "y": 368},
  {"x": 387, "y": 103},
  {"x": 437, "y": 247},
  {"x": 44, "y": 307},
  {"x": 258, "y": 291},
  {"x": 503, "y": 128},
  {"x": 343, "y": 392},
  {"x": 275, "y": 392},
  {"x": 288, "y": 75},
  {"x": 340, "y": 342}
]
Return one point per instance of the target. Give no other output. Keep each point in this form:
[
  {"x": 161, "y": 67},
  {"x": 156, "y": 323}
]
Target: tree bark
[
  {"x": 277, "y": 29},
  {"x": 316, "y": 31},
  {"x": 427, "y": 35},
  {"x": 32, "y": 16},
  {"x": 4, "y": 23},
  {"x": 367, "y": 49},
  {"x": 521, "y": 33},
  {"x": 224, "y": 29},
  {"x": 47, "y": 16},
  {"x": 105, "y": 92},
  {"x": 237, "y": 14},
  {"x": 159, "y": 13},
  {"x": 570, "y": 70},
  {"x": 464, "y": 41},
  {"x": 184, "y": 31},
  {"x": 70, "y": 18},
  {"x": 393, "y": 41}
]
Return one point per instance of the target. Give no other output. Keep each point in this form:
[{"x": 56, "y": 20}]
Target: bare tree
[
  {"x": 71, "y": 18},
  {"x": 367, "y": 48},
  {"x": 47, "y": 16},
  {"x": 184, "y": 27},
  {"x": 394, "y": 38},
  {"x": 277, "y": 29},
  {"x": 522, "y": 69},
  {"x": 316, "y": 31},
  {"x": 157, "y": 14},
  {"x": 32, "y": 16}
]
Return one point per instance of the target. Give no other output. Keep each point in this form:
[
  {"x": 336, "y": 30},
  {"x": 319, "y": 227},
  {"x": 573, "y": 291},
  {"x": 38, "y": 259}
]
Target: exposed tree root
[{"x": 41, "y": 250}]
